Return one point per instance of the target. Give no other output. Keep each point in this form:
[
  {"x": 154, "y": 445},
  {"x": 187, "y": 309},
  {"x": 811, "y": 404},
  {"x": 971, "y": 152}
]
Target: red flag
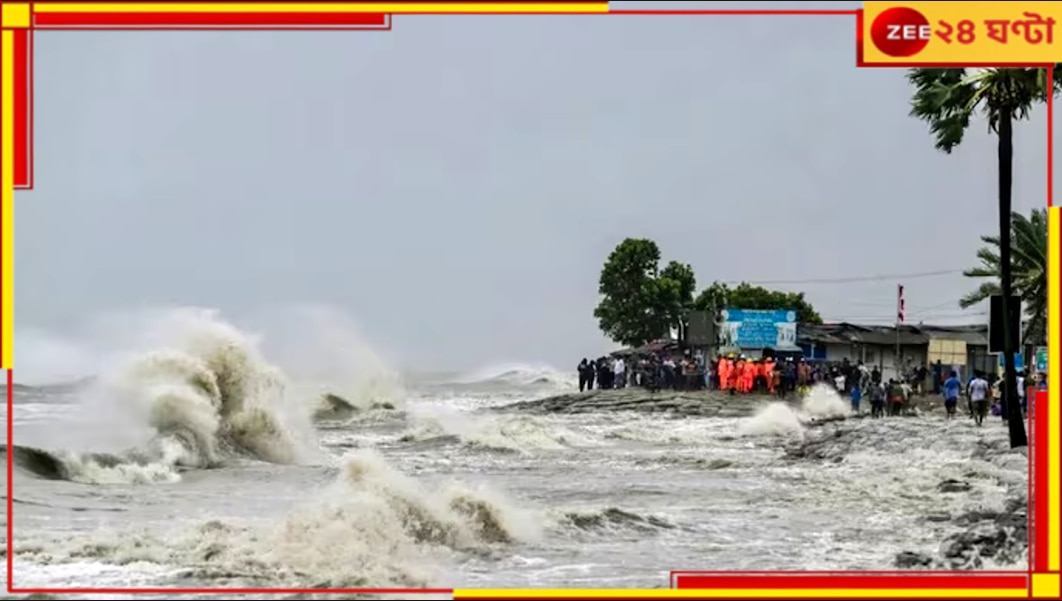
[{"x": 900, "y": 304}]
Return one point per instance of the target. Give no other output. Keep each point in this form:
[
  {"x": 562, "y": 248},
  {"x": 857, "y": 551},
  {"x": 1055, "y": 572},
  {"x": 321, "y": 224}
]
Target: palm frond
[
  {"x": 981, "y": 272},
  {"x": 942, "y": 99},
  {"x": 1028, "y": 265},
  {"x": 981, "y": 294},
  {"x": 1056, "y": 76},
  {"x": 948, "y": 99},
  {"x": 1010, "y": 91}
]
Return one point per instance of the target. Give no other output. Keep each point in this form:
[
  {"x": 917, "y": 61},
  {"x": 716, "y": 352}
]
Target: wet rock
[
  {"x": 907, "y": 560},
  {"x": 613, "y": 517},
  {"x": 703, "y": 403},
  {"x": 1001, "y": 536},
  {"x": 334, "y": 407},
  {"x": 716, "y": 464},
  {"x": 824, "y": 445},
  {"x": 953, "y": 486},
  {"x": 983, "y": 540}
]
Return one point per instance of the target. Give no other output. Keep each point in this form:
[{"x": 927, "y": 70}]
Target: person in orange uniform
[
  {"x": 747, "y": 375},
  {"x": 768, "y": 374},
  {"x": 723, "y": 369},
  {"x": 757, "y": 374}
]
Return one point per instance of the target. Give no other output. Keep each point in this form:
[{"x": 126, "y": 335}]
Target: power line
[
  {"x": 853, "y": 279},
  {"x": 889, "y": 319},
  {"x": 936, "y": 311},
  {"x": 891, "y": 304},
  {"x": 947, "y": 303}
]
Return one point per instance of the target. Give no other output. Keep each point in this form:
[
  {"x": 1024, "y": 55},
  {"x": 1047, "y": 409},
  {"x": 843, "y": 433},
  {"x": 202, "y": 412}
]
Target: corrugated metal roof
[
  {"x": 909, "y": 335},
  {"x": 972, "y": 334}
]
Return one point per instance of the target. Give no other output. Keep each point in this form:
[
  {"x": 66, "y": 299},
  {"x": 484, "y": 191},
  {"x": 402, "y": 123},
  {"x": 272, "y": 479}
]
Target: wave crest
[
  {"x": 201, "y": 393},
  {"x": 782, "y": 419},
  {"x": 520, "y": 375},
  {"x": 372, "y": 527}
]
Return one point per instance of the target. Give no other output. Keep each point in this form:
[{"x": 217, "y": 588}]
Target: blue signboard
[
  {"x": 1019, "y": 361},
  {"x": 813, "y": 352},
  {"x": 757, "y": 329}
]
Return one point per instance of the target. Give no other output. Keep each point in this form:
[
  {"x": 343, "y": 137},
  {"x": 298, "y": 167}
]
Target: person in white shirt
[
  {"x": 619, "y": 370},
  {"x": 839, "y": 383},
  {"x": 1021, "y": 391},
  {"x": 979, "y": 391}
]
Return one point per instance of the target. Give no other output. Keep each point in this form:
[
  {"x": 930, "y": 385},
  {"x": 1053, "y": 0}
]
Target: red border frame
[
  {"x": 24, "y": 180},
  {"x": 23, "y": 109}
]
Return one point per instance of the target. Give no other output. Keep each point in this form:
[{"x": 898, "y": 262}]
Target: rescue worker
[
  {"x": 724, "y": 373},
  {"x": 748, "y": 376},
  {"x": 768, "y": 375}
]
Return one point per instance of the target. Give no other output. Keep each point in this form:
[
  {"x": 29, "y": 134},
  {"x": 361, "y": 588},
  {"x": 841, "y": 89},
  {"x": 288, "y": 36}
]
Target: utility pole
[
  {"x": 1015, "y": 420},
  {"x": 900, "y": 311}
]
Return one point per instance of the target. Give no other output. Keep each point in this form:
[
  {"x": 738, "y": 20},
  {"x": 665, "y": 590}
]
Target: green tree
[
  {"x": 747, "y": 296},
  {"x": 639, "y": 302},
  {"x": 677, "y": 285},
  {"x": 948, "y": 100},
  {"x": 1028, "y": 259}
]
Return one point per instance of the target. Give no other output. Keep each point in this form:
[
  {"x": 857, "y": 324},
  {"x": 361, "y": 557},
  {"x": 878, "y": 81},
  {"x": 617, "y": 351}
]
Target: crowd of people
[
  {"x": 985, "y": 393},
  {"x": 733, "y": 373},
  {"x": 654, "y": 372},
  {"x": 740, "y": 374}
]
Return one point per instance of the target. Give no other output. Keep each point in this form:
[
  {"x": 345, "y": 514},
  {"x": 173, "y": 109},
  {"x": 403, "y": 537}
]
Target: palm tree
[
  {"x": 948, "y": 100},
  {"x": 1028, "y": 266}
]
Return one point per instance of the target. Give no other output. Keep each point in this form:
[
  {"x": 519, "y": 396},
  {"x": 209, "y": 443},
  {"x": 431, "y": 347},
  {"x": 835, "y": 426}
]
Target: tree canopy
[
  {"x": 949, "y": 99},
  {"x": 747, "y": 296},
  {"x": 641, "y": 302}
]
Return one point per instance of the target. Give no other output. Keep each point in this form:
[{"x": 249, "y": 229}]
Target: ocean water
[{"x": 195, "y": 460}]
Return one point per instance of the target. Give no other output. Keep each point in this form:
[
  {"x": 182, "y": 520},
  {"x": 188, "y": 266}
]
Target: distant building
[
  {"x": 960, "y": 347},
  {"x": 964, "y": 347}
]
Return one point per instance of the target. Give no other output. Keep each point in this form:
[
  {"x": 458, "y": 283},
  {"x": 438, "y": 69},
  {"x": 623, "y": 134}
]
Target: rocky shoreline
[
  {"x": 700, "y": 403},
  {"x": 696, "y": 403},
  {"x": 969, "y": 539},
  {"x": 999, "y": 536}
]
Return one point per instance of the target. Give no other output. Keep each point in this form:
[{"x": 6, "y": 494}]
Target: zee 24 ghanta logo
[{"x": 902, "y": 32}]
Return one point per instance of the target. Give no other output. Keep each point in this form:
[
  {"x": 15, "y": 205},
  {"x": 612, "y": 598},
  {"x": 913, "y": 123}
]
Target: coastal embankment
[{"x": 695, "y": 403}]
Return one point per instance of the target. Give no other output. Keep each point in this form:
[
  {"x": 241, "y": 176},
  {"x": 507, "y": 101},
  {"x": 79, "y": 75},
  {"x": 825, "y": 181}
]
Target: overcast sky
[{"x": 454, "y": 185}]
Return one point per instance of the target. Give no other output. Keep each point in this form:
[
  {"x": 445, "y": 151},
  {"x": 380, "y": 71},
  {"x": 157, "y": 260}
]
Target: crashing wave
[
  {"x": 820, "y": 405},
  {"x": 519, "y": 375},
  {"x": 521, "y": 434},
  {"x": 206, "y": 397},
  {"x": 373, "y": 527}
]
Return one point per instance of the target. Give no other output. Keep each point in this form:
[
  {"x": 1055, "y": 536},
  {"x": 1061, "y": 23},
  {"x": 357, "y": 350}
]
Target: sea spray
[
  {"x": 516, "y": 374},
  {"x": 780, "y": 418},
  {"x": 194, "y": 393},
  {"x": 372, "y": 527},
  {"x": 775, "y": 418},
  {"x": 823, "y": 401},
  {"x": 325, "y": 355},
  {"x": 524, "y": 434}
]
